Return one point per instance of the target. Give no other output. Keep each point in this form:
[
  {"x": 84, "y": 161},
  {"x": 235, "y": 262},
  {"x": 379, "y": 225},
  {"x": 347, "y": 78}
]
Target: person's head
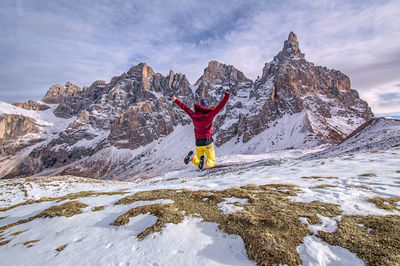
[
  {"x": 203, "y": 107},
  {"x": 204, "y": 103}
]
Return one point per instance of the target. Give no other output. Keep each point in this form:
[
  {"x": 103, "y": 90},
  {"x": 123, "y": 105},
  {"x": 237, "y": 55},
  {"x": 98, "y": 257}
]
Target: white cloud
[{"x": 51, "y": 42}]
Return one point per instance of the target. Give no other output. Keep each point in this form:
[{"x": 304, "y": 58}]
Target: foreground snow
[{"x": 89, "y": 238}]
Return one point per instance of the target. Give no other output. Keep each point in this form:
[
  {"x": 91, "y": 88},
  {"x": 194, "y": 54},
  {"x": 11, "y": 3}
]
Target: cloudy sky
[{"x": 49, "y": 42}]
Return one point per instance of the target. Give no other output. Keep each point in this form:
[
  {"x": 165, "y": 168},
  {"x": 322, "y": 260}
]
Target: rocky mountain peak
[
  {"x": 58, "y": 92},
  {"x": 219, "y": 77},
  {"x": 141, "y": 70},
  {"x": 219, "y": 73},
  {"x": 291, "y": 48}
]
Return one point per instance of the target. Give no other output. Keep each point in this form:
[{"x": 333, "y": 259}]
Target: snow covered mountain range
[{"x": 129, "y": 128}]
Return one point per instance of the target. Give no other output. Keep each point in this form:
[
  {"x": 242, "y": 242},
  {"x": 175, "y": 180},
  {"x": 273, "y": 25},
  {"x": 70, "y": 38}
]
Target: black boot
[
  {"x": 201, "y": 163},
  {"x": 188, "y": 157}
]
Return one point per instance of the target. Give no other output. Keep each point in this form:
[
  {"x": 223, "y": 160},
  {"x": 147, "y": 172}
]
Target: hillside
[
  {"x": 337, "y": 211},
  {"x": 376, "y": 134}
]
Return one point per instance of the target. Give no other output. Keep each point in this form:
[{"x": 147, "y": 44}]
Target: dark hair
[
  {"x": 204, "y": 103},
  {"x": 202, "y": 109}
]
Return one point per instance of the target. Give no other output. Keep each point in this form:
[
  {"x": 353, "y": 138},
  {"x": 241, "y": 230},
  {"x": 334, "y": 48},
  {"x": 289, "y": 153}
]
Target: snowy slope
[
  {"x": 287, "y": 132},
  {"x": 89, "y": 239},
  {"x": 377, "y": 134}
]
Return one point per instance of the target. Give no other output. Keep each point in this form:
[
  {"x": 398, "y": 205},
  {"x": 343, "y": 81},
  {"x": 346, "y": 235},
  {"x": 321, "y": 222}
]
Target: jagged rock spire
[{"x": 291, "y": 48}]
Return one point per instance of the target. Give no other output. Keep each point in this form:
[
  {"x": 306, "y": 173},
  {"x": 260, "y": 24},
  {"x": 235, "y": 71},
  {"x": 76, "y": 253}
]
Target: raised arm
[
  {"x": 183, "y": 106},
  {"x": 221, "y": 105}
]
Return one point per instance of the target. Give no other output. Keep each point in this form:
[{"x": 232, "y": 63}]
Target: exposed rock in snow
[
  {"x": 13, "y": 126},
  {"x": 58, "y": 92},
  {"x": 31, "y": 105}
]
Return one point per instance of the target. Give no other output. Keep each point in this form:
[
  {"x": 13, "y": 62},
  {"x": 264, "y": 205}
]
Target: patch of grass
[
  {"x": 61, "y": 248},
  {"x": 98, "y": 208},
  {"x": 359, "y": 186},
  {"x": 72, "y": 196},
  {"x": 17, "y": 233},
  {"x": 398, "y": 171},
  {"x": 27, "y": 243},
  {"x": 319, "y": 177},
  {"x": 322, "y": 186},
  {"x": 379, "y": 246},
  {"x": 388, "y": 204},
  {"x": 67, "y": 209},
  {"x": 368, "y": 174},
  {"x": 4, "y": 242},
  {"x": 165, "y": 213},
  {"x": 3, "y": 217},
  {"x": 269, "y": 224}
]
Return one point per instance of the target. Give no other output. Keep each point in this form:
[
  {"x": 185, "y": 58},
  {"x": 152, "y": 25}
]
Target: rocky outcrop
[
  {"x": 31, "y": 105},
  {"x": 142, "y": 124},
  {"x": 58, "y": 92},
  {"x": 13, "y": 126},
  {"x": 218, "y": 78}
]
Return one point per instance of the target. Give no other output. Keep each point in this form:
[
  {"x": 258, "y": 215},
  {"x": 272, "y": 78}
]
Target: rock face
[
  {"x": 31, "y": 105},
  {"x": 129, "y": 126},
  {"x": 13, "y": 126},
  {"x": 58, "y": 92}
]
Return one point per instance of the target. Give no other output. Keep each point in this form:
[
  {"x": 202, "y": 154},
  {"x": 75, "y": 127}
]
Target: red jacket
[{"x": 202, "y": 121}]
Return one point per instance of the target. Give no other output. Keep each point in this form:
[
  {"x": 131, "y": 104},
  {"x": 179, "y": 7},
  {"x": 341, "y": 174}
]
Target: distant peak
[
  {"x": 291, "y": 47},
  {"x": 292, "y": 37},
  {"x": 221, "y": 72},
  {"x": 214, "y": 63},
  {"x": 141, "y": 69}
]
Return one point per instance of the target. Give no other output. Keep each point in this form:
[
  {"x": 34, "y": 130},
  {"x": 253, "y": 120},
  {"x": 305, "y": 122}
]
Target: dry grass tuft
[
  {"x": 388, "y": 204},
  {"x": 359, "y": 186},
  {"x": 98, "y": 208},
  {"x": 4, "y": 242},
  {"x": 398, "y": 171},
  {"x": 67, "y": 209},
  {"x": 61, "y": 248},
  {"x": 320, "y": 177},
  {"x": 17, "y": 233},
  {"x": 72, "y": 196},
  {"x": 165, "y": 213},
  {"x": 3, "y": 217},
  {"x": 368, "y": 175},
  {"x": 377, "y": 243},
  {"x": 269, "y": 224},
  {"x": 28, "y": 243},
  {"x": 322, "y": 186}
]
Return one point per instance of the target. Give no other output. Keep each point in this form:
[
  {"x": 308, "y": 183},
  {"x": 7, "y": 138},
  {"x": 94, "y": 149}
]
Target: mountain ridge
[{"x": 294, "y": 104}]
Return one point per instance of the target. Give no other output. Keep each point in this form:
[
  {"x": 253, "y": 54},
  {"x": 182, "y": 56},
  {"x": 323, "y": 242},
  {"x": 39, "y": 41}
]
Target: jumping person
[{"x": 202, "y": 117}]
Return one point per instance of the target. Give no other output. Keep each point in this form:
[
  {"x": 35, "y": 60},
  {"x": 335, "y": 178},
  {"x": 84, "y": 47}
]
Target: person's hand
[
  {"x": 227, "y": 93},
  {"x": 174, "y": 98}
]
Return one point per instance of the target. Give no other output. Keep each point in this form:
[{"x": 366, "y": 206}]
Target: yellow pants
[{"x": 210, "y": 155}]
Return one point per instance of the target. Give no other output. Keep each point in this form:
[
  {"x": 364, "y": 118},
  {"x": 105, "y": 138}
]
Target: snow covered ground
[{"x": 89, "y": 239}]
